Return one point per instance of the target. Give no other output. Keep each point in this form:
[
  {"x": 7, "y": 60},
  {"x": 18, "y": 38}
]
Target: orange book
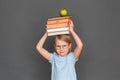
[
  {"x": 63, "y": 24},
  {"x": 57, "y": 20}
]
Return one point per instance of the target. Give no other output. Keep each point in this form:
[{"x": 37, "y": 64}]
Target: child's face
[{"x": 62, "y": 47}]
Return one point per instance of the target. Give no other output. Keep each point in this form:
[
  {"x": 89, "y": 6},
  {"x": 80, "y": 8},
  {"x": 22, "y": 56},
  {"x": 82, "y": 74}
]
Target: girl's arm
[
  {"x": 40, "y": 48},
  {"x": 78, "y": 42}
]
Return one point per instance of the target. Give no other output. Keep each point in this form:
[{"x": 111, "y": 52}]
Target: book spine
[
  {"x": 57, "y": 29},
  {"x": 57, "y": 21},
  {"x": 56, "y": 18},
  {"x": 57, "y": 25},
  {"x": 58, "y": 33}
]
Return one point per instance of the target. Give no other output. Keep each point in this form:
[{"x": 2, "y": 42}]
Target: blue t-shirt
[{"x": 63, "y": 67}]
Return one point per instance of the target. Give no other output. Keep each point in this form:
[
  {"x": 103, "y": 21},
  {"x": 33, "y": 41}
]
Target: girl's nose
[{"x": 61, "y": 47}]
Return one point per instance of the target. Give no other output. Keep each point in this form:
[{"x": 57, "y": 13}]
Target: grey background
[{"x": 22, "y": 23}]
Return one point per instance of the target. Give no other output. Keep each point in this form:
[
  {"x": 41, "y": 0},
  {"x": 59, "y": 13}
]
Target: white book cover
[
  {"x": 57, "y": 29},
  {"x": 58, "y": 33}
]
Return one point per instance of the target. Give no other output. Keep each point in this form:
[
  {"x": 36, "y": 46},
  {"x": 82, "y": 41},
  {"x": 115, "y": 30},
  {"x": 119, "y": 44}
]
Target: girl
[{"x": 63, "y": 59}]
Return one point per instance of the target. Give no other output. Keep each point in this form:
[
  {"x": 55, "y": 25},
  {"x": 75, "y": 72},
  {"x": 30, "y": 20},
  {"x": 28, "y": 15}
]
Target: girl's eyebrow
[{"x": 62, "y": 45}]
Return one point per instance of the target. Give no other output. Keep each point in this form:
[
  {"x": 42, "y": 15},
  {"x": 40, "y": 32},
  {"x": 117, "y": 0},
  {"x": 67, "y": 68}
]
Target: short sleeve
[
  {"x": 71, "y": 56},
  {"x": 51, "y": 57}
]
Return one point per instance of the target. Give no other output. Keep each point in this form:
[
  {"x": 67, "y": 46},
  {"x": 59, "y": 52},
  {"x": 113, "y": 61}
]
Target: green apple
[{"x": 63, "y": 12}]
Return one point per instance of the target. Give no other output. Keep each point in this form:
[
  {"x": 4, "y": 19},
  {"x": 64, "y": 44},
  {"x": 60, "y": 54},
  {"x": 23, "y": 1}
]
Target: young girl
[{"x": 63, "y": 59}]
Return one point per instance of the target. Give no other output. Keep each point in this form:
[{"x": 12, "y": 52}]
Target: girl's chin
[{"x": 62, "y": 54}]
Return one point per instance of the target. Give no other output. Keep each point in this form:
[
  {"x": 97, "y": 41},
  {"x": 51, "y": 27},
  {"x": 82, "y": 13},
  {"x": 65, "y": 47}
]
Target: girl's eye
[
  {"x": 61, "y": 46},
  {"x": 64, "y": 46}
]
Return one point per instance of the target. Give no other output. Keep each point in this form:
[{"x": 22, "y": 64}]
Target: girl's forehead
[{"x": 60, "y": 42}]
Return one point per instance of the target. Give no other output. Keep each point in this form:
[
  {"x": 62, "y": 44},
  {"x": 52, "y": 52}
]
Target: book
[
  {"x": 58, "y": 25},
  {"x": 58, "y": 29},
  {"x": 58, "y": 20},
  {"x": 58, "y": 33}
]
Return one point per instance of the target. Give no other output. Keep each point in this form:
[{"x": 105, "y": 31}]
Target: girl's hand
[{"x": 71, "y": 26}]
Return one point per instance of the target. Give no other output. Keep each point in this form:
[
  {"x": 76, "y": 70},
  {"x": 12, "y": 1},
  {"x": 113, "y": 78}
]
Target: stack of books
[{"x": 58, "y": 25}]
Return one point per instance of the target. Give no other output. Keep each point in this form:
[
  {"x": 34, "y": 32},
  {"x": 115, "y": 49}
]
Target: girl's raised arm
[
  {"x": 40, "y": 48},
  {"x": 78, "y": 41}
]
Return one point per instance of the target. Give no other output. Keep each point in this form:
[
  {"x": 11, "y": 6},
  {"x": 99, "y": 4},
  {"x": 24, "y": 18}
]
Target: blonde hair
[{"x": 64, "y": 37}]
